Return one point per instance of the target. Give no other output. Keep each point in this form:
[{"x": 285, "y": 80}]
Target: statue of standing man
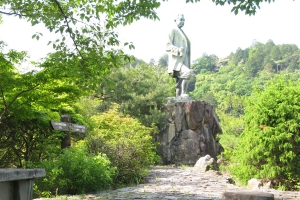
[{"x": 179, "y": 51}]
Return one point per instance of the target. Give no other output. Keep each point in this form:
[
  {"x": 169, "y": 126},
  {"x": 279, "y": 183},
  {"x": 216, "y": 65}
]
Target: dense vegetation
[
  {"x": 116, "y": 144},
  {"x": 120, "y": 100},
  {"x": 256, "y": 92},
  {"x": 271, "y": 137},
  {"x": 69, "y": 81}
]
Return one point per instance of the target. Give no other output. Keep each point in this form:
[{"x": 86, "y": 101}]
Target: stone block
[
  {"x": 20, "y": 174},
  {"x": 17, "y": 184},
  {"x": 245, "y": 195}
]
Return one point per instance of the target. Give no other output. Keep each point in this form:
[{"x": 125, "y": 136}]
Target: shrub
[
  {"x": 269, "y": 147},
  {"x": 231, "y": 130},
  {"x": 127, "y": 143},
  {"x": 75, "y": 171}
]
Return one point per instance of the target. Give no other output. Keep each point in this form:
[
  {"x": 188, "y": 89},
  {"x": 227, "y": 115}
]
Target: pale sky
[
  {"x": 210, "y": 28},
  {"x": 215, "y": 29}
]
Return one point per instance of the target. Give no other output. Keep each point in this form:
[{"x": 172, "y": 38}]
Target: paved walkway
[{"x": 178, "y": 183}]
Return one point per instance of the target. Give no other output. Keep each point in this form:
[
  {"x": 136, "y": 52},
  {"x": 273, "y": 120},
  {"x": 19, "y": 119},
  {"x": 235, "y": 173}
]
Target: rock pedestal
[{"x": 190, "y": 133}]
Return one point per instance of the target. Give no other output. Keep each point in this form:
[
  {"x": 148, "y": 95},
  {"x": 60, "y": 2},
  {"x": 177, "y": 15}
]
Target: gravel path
[{"x": 178, "y": 183}]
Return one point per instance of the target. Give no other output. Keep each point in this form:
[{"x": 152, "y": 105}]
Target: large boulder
[
  {"x": 190, "y": 132},
  {"x": 186, "y": 147}
]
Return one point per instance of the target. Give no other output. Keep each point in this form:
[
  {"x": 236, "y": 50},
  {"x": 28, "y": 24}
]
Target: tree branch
[
  {"x": 14, "y": 99},
  {"x": 68, "y": 27},
  {"x": 14, "y": 13}
]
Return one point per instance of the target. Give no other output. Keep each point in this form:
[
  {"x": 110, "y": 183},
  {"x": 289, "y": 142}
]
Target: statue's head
[{"x": 180, "y": 20}]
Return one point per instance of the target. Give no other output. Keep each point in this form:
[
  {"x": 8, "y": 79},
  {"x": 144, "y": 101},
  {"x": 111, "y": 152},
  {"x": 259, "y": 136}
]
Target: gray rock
[
  {"x": 258, "y": 184},
  {"x": 254, "y": 183},
  {"x": 188, "y": 148},
  {"x": 189, "y": 133},
  {"x": 267, "y": 185},
  {"x": 194, "y": 114},
  {"x": 204, "y": 162},
  {"x": 179, "y": 118}
]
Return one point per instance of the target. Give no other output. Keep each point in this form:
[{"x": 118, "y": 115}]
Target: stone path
[{"x": 178, "y": 183}]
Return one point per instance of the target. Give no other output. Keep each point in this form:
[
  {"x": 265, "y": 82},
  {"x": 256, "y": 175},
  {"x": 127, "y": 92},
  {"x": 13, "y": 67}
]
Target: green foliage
[
  {"x": 249, "y": 7},
  {"x": 75, "y": 171},
  {"x": 28, "y": 103},
  {"x": 240, "y": 56},
  {"x": 206, "y": 63},
  {"x": 128, "y": 144},
  {"x": 140, "y": 91},
  {"x": 269, "y": 146},
  {"x": 232, "y": 127},
  {"x": 256, "y": 152},
  {"x": 254, "y": 65},
  {"x": 27, "y": 140},
  {"x": 223, "y": 89},
  {"x": 163, "y": 60},
  {"x": 85, "y": 41}
]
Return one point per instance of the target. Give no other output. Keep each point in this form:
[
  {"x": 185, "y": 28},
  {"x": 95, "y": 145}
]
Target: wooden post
[{"x": 66, "y": 141}]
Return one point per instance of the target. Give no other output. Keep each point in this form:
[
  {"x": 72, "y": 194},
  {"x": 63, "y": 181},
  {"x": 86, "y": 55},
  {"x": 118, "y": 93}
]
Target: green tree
[
  {"x": 89, "y": 25},
  {"x": 28, "y": 102},
  {"x": 269, "y": 146},
  {"x": 275, "y": 53},
  {"x": 249, "y": 7},
  {"x": 141, "y": 92},
  {"x": 206, "y": 63},
  {"x": 163, "y": 60},
  {"x": 255, "y": 62},
  {"x": 240, "y": 56},
  {"x": 136, "y": 62}
]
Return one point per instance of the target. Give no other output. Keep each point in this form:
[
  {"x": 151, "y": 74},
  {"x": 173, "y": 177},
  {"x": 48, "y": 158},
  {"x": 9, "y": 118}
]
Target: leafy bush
[
  {"x": 75, "y": 171},
  {"x": 269, "y": 147},
  {"x": 127, "y": 143}
]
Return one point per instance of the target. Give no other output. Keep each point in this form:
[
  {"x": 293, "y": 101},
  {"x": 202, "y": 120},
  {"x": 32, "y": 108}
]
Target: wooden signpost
[{"x": 66, "y": 125}]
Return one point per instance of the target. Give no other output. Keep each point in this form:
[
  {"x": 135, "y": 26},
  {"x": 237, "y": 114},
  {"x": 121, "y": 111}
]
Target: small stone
[
  {"x": 203, "y": 163},
  {"x": 254, "y": 183}
]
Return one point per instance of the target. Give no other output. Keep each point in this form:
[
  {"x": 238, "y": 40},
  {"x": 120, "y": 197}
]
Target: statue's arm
[{"x": 176, "y": 51}]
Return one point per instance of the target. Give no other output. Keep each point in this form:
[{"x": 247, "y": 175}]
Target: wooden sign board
[
  {"x": 78, "y": 128},
  {"x": 61, "y": 126},
  {"x": 65, "y": 126}
]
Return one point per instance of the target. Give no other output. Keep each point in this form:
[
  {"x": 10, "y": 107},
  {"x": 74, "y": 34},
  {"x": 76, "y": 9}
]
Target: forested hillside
[{"x": 224, "y": 82}]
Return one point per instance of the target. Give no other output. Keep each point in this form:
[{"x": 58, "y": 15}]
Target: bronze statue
[{"x": 179, "y": 50}]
